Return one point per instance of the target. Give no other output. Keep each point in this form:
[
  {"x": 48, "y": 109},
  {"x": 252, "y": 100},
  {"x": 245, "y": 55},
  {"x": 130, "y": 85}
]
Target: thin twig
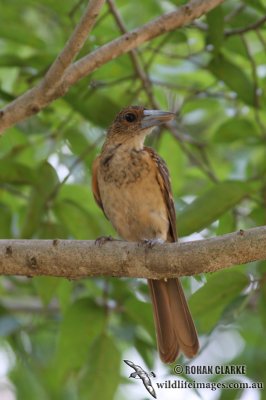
[
  {"x": 251, "y": 27},
  {"x": 144, "y": 78}
]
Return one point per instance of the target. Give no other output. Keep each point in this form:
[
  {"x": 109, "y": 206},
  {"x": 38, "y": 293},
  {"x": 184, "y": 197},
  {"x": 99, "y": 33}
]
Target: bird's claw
[
  {"x": 103, "y": 239},
  {"x": 150, "y": 243}
]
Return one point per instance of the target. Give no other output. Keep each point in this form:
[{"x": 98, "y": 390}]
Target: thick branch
[
  {"x": 76, "y": 259},
  {"x": 37, "y": 98}
]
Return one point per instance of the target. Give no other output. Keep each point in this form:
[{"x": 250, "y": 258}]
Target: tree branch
[
  {"x": 75, "y": 43},
  {"x": 52, "y": 85},
  {"x": 239, "y": 31},
  {"x": 43, "y": 94},
  {"x": 165, "y": 23},
  {"x": 77, "y": 259}
]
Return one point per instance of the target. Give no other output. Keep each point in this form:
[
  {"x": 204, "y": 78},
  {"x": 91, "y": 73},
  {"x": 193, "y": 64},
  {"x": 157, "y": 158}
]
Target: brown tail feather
[{"x": 173, "y": 322}]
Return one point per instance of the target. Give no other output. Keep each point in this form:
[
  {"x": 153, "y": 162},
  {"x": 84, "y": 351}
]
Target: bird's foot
[
  {"x": 150, "y": 243},
  {"x": 100, "y": 241}
]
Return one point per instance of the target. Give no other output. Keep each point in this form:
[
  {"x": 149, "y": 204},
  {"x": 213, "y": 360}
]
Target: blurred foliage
[{"x": 67, "y": 340}]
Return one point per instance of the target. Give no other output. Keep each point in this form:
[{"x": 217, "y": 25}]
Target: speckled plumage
[{"x": 122, "y": 183}]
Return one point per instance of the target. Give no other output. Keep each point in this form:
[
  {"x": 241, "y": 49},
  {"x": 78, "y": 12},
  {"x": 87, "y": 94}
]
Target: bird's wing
[
  {"x": 174, "y": 324},
  {"x": 130, "y": 363},
  {"x": 94, "y": 183},
  {"x": 150, "y": 390},
  {"x": 139, "y": 369},
  {"x": 163, "y": 179},
  {"x": 136, "y": 367}
]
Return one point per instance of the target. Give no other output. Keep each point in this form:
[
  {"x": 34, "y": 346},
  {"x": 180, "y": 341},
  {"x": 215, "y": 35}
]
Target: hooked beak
[{"x": 155, "y": 118}]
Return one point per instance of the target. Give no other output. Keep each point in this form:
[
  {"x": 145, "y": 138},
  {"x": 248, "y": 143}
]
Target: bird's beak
[{"x": 155, "y": 118}]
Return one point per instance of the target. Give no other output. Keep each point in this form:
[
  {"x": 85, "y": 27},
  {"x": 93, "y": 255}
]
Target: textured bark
[{"x": 76, "y": 258}]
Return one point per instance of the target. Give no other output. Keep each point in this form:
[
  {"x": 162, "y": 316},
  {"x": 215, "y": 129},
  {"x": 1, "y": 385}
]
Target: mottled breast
[
  {"x": 131, "y": 195},
  {"x": 123, "y": 168}
]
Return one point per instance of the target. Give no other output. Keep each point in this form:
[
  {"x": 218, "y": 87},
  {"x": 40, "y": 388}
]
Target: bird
[
  {"x": 131, "y": 184},
  {"x": 143, "y": 375}
]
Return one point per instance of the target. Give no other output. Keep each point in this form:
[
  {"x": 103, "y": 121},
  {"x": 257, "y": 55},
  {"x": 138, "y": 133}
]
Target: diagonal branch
[
  {"x": 43, "y": 94},
  {"x": 165, "y": 23},
  {"x": 52, "y": 85},
  {"x": 73, "y": 46},
  {"x": 77, "y": 259}
]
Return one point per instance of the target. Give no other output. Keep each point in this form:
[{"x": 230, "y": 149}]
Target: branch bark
[
  {"x": 63, "y": 74},
  {"x": 77, "y": 259}
]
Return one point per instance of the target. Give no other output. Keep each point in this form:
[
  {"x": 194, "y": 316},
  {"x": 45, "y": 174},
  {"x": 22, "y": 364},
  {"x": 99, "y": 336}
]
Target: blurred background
[{"x": 62, "y": 339}]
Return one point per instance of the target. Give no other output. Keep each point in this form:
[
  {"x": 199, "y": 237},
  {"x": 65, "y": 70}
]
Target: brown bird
[{"x": 131, "y": 184}]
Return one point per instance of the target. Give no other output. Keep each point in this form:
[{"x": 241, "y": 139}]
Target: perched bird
[{"x": 131, "y": 184}]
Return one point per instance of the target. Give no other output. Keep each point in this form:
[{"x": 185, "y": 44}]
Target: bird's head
[{"x": 134, "y": 123}]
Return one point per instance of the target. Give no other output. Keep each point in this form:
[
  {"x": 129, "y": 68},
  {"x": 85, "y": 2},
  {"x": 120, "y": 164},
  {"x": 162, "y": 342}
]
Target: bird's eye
[{"x": 129, "y": 117}]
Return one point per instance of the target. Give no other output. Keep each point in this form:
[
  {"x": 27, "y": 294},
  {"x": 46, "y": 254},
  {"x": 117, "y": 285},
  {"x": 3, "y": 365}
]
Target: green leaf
[
  {"x": 19, "y": 34},
  {"x": 170, "y": 151},
  {"x": 77, "y": 200},
  {"x": 262, "y": 305},
  {"x": 6, "y": 220},
  {"x": 64, "y": 293},
  {"x": 215, "y": 20},
  {"x": 234, "y": 77},
  {"x": 46, "y": 183},
  {"x": 231, "y": 394},
  {"x": 208, "y": 207},
  {"x": 236, "y": 129},
  {"x": 141, "y": 313},
  {"x": 209, "y": 302},
  {"x": 52, "y": 230},
  {"x": 227, "y": 223},
  {"x": 77, "y": 142},
  {"x": 78, "y": 194},
  {"x": 46, "y": 287},
  {"x": 13, "y": 172},
  {"x": 89, "y": 105},
  {"x": 36, "y": 60},
  {"x": 28, "y": 384},
  {"x": 82, "y": 323},
  {"x": 258, "y": 215},
  {"x": 79, "y": 223},
  {"x": 234, "y": 44},
  {"x": 102, "y": 376},
  {"x": 146, "y": 350},
  {"x": 262, "y": 293},
  {"x": 6, "y": 96}
]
